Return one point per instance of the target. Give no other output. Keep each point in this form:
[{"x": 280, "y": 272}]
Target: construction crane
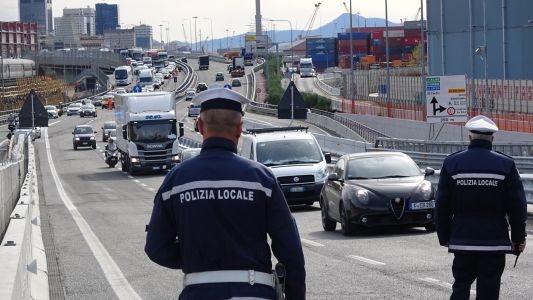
[
  {"x": 417, "y": 16},
  {"x": 310, "y": 23}
]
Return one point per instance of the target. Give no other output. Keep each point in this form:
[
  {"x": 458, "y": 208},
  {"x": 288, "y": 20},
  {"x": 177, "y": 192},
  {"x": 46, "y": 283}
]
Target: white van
[
  {"x": 295, "y": 158},
  {"x": 147, "y": 60},
  {"x": 146, "y": 77}
]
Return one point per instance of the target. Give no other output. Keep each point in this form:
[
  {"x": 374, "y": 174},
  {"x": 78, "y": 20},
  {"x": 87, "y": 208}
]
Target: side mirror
[
  {"x": 95, "y": 132},
  {"x": 333, "y": 177},
  {"x": 429, "y": 171},
  {"x": 181, "y": 130},
  {"x": 73, "y": 132},
  {"x": 327, "y": 156}
]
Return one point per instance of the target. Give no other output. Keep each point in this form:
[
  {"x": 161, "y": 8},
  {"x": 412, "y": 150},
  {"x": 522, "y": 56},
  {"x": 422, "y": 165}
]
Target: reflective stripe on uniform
[
  {"x": 479, "y": 248},
  {"x": 478, "y": 175},
  {"x": 216, "y": 184}
]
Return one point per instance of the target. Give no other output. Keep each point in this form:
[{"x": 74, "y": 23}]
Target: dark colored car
[
  {"x": 219, "y": 76},
  {"x": 201, "y": 87},
  {"x": 235, "y": 82},
  {"x": 83, "y": 136},
  {"x": 88, "y": 110},
  {"x": 377, "y": 188},
  {"x": 106, "y": 130}
]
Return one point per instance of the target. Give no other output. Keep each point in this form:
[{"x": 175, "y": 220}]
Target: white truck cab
[{"x": 295, "y": 158}]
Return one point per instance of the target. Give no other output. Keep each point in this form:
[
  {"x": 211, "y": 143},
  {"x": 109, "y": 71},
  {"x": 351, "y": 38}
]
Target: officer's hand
[{"x": 518, "y": 246}]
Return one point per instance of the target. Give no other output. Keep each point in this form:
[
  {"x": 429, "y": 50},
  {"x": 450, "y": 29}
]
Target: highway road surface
[{"x": 94, "y": 217}]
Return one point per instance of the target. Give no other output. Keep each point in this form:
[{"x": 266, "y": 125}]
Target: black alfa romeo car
[{"x": 377, "y": 188}]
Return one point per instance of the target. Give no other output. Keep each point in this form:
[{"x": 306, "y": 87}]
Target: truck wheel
[
  {"x": 123, "y": 163},
  {"x": 130, "y": 169}
]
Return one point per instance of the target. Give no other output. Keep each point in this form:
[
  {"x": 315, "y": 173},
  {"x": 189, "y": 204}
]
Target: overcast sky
[{"x": 234, "y": 15}]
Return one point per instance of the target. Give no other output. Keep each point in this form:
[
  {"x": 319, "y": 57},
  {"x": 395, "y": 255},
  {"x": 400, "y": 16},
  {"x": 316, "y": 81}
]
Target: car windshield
[
  {"x": 87, "y": 107},
  {"x": 145, "y": 79},
  {"x": 50, "y": 107},
  {"x": 121, "y": 74},
  {"x": 83, "y": 130},
  {"x": 381, "y": 167},
  {"x": 153, "y": 131},
  {"x": 109, "y": 125},
  {"x": 288, "y": 152},
  {"x": 75, "y": 105}
]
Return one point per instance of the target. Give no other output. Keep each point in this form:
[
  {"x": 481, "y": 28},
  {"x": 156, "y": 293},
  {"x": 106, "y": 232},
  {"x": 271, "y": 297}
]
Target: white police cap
[
  {"x": 220, "y": 98},
  {"x": 482, "y": 125}
]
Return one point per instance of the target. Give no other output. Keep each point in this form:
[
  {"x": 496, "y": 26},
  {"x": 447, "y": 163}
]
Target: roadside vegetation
[{"x": 275, "y": 91}]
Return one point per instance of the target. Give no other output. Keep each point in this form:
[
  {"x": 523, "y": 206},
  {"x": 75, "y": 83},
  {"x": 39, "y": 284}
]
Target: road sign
[
  {"x": 258, "y": 90},
  {"x": 446, "y": 99},
  {"x": 137, "y": 89}
]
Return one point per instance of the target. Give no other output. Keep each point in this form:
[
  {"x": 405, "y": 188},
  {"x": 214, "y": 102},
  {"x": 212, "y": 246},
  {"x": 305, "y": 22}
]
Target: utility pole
[
  {"x": 387, "y": 55},
  {"x": 195, "y": 34},
  {"x": 161, "y": 35}
]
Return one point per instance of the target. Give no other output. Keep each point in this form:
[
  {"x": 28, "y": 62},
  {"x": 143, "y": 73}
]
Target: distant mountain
[{"x": 340, "y": 24}]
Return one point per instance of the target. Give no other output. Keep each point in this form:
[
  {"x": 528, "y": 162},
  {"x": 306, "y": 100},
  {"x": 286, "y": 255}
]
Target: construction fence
[
  {"x": 13, "y": 92},
  {"x": 510, "y": 101}
]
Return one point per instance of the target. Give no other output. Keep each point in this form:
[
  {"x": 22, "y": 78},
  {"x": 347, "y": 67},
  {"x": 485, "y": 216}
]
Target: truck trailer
[
  {"x": 203, "y": 62},
  {"x": 147, "y": 134}
]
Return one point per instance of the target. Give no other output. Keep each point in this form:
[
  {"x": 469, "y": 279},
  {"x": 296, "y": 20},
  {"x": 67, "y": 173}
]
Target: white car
[
  {"x": 73, "y": 109},
  {"x": 52, "y": 111},
  {"x": 189, "y": 94}
]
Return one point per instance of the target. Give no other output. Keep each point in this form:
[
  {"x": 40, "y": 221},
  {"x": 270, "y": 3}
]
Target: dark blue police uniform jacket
[
  {"x": 213, "y": 212},
  {"x": 477, "y": 189}
]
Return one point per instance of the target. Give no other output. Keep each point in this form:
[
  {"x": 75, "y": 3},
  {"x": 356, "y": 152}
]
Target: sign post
[{"x": 446, "y": 99}]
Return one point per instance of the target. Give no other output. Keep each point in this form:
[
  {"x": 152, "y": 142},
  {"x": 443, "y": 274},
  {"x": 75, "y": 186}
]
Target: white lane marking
[
  {"x": 311, "y": 243},
  {"x": 130, "y": 177},
  {"x": 112, "y": 272},
  {"x": 151, "y": 189},
  {"x": 366, "y": 260},
  {"x": 441, "y": 283},
  {"x": 143, "y": 185},
  {"x": 136, "y": 181},
  {"x": 54, "y": 123}
]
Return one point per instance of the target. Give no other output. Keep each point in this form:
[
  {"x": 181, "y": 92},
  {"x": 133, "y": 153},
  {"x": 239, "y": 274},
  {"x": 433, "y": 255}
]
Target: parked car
[
  {"x": 88, "y": 110},
  {"x": 52, "y": 111},
  {"x": 235, "y": 82},
  {"x": 189, "y": 94},
  {"x": 202, "y": 86},
  {"x": 83, "y": 136},
  {"x": 73, "y": 109},
  {"x": 219, "y": 76},
  {"x": 371, "y": 189},
  {"x": 106, "y": 129}
]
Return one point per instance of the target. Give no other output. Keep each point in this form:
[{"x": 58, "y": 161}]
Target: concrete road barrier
[{"x": 23, "y": 268}]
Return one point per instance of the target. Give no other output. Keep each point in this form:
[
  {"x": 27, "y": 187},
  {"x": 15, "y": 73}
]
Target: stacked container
[{"x": 323, "y": 51}]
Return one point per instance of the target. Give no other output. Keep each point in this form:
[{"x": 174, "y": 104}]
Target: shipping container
[
  {"x": 411, "y": 41},
  {"x": 372, "y": 29},
  {"x": 318, "y": 52},
  {"x": 368, "y": 60},
  {"x": 355, "y": 36},
  {"x": 320, "y": 47},
  {"x": 377, "y": 34},
  {"x": 394, "y": 34},
  {"x": 311, "y": 41},
  {"x": 414, "y": 24}
]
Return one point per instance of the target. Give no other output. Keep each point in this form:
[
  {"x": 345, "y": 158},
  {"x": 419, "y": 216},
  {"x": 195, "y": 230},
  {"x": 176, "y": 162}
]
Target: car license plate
[
  {"x": 298, "y": 189},
  {"x": 84, "y": 143},
  {"x": 156, "y": 168},
  {"x": 422, "y": 205}
]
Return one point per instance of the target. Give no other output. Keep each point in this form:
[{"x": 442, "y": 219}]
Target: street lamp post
[
  {"x": 211, "y": 23},
  {"x": 358, "y": 13},
  {"x": 292, "y": 49},
  {"x": 387, "y": 57},
  {"x": 195, "y": 36},
  {"x": 161, "y": 35},
  {"x": 227, "y": 39}
]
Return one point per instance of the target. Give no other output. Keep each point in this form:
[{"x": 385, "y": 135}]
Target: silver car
[
  {"x": 52, "y": 111},
  {"x": 74, "y": 109}
]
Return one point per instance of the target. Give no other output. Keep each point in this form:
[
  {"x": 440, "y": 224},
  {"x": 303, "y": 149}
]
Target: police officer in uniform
[
  {"x": 213, "y": 212},
  {"x": 479, "y": 195}
]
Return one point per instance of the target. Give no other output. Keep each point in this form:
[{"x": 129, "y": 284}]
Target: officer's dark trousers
[{"x": 487, "y": 268}]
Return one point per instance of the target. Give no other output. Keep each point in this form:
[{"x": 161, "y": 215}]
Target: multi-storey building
[
  {"x": 143, "y": 36},
  {"x": 37, "y": 11},
  {"x": 106, "y": 17},
  {"x": 17, "y": 38}
]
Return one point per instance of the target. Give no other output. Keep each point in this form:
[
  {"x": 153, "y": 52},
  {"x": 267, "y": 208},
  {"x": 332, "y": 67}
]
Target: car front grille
[
  {"x": 85, "y": 139},
  {"x": 296, "y": 179},
  {"x": 397, "y": 205}
]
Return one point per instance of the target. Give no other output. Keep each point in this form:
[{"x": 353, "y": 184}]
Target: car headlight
[
  {"x": 77, "y": 139},
  {"x": 92, "y": 137},
  {"x": 134, "y": 159},
  {"x": 176, "y": 157},
  {"x": 358, "y": 195},
  {"x": 321, "y": 174},
  {"x": 425, "y": 189}
]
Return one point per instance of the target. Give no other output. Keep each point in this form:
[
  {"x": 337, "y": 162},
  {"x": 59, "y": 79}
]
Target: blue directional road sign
[{"x": 137, "y": 89}]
